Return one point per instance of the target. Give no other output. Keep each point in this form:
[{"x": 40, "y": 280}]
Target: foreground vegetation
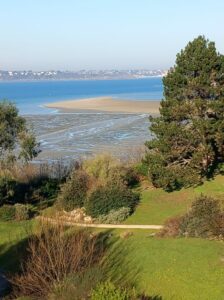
[{"x": 153, "y": 264}]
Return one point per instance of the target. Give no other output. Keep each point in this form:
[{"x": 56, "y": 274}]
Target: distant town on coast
[{"x": 80, "y": 75}]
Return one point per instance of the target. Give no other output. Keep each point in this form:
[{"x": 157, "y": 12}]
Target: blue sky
[{"x": 103, "y": 34}]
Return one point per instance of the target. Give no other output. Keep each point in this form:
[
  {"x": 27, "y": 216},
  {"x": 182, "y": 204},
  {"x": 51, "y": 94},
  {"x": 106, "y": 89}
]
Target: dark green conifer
[{"x": 188, "y": 136}]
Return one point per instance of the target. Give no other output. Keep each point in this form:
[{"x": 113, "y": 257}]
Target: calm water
[
  {"x": 30, "y": 96},
  {"x": 66, "y": 136}
]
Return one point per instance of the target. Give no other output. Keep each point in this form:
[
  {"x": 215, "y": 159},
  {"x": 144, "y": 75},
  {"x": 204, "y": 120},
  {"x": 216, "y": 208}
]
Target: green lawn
[
  {"x": 172, "y": 268},
  {"x": 175, "y": 269},
  {"x": 12, "y": 239},
  {"x": 157, "y": 205}
]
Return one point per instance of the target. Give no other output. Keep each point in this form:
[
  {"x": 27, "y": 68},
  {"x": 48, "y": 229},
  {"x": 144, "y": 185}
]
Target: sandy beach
[{"x": 107, "y": 104}]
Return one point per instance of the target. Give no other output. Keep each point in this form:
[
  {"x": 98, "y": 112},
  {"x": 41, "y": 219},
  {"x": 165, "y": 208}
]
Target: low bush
[
  {"x": 130, "y": 176},
  {"x": 106, "y": 168},
  {"x": 54, "y": 254},
  {"x": 100, "y": 166},
  {"x": 115, "y": 216},
  {"x": 78, "y": 286},
  {"x": 48, "y": 188},
  {"x": 73, "y": 193},
  {"x": 7, "y": 212},
  {"x": 142, "y": 169},
  {"x": 110, "y": 197},
  {"x": 203, "y": 218},
  {"x": 171, "y": 227},
  {"x": 108, "y": 291},
  {"x": 7, "y": 189},
  {"x": 23, "y": 211}
]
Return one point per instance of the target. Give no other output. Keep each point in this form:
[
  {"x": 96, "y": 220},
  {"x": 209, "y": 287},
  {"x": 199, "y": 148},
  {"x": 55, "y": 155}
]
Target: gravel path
[{"x": 122, "y": 226}]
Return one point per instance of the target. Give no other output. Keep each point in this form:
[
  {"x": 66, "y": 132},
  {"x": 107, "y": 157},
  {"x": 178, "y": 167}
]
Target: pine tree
[{"x": 188, "y": 136}]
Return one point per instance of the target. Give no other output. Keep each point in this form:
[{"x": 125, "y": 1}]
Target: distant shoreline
[
  {"x": 79, "y": 79},
  {"x": 106, "y": 104}
]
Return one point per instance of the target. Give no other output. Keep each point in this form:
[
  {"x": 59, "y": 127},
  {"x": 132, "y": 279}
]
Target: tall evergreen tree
[{"x": 188, "y": 136}]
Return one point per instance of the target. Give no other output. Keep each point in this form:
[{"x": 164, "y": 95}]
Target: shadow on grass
[
  {"x": 120, "y": 268},
  {"x": 11, "y": 256},
  {"x": 117, "y": 264}
]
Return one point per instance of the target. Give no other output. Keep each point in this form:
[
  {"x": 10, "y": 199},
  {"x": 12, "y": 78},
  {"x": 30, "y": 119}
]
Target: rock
[
  {"x": 78, "y": 216},
  {"x": 88, "y": 219}
]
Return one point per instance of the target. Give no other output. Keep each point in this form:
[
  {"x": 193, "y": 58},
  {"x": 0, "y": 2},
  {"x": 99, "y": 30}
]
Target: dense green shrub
[
  {"x": 23, "y": 211},
  {"x": 74, "y": 191},
  {"x": 108, "y": 291},
  {"x": 34, "y": 190},
  {"x": 110, "y": 197},
  {"x": 130, "y": 176},
  {"x": 203, "y": 218},
  {"x": 142, "y": 169},
  {"x": 7, "y": 189},
  {"x": 115, "y": 216},
  {"x": 49, "y": 188},
  {"x": 41, "y": 191},
  {"x": 7, "y": 212}
]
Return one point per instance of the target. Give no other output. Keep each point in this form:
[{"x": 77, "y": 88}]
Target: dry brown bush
[
  {"x": 171, "y": 227},
  {"x": 26, "y": 173},
  {"x": 53, "y": 254}
]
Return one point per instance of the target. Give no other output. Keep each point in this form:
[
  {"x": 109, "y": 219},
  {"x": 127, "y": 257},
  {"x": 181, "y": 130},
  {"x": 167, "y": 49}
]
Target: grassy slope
[
  {"x": 12, "y": 239},
  {"x": 177, "y": 269},
  {"x": 157, "y": 205},
  {"x": 173, "y": 268}
]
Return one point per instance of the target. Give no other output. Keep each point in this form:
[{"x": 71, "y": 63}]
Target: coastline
[{"x": 106, "y": 104}]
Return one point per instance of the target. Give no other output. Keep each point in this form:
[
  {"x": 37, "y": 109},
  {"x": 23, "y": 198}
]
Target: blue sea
[
  {"x": 74, "y": 135},
  {"x": 31, "y": 96}
]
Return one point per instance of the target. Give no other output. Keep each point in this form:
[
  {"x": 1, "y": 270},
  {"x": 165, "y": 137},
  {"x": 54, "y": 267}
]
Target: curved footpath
[{"x": 122, "y": 226}]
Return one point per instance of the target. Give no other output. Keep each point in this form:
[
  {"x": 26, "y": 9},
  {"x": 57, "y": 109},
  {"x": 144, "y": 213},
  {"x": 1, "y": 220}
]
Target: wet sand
[
  {"x": 107, "y": 104},
  {"x": 79, "y": 135}
]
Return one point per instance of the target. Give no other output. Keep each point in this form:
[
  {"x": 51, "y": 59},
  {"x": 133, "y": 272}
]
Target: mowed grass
[
  {"x": 157, "y": 205},
  {"x": 12, "y": 243},
  {"x": 174, "y": 269}
]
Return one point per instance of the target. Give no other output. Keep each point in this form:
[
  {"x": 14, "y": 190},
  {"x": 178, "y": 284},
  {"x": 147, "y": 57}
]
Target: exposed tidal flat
[{"x": 73, "y": 135}]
